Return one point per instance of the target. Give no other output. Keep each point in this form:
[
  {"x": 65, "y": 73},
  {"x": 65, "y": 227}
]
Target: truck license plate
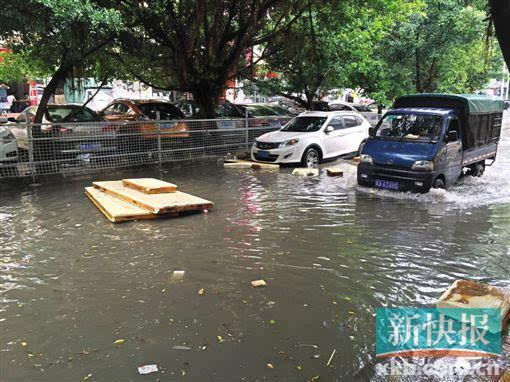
[{"x": 386, "y": 184}]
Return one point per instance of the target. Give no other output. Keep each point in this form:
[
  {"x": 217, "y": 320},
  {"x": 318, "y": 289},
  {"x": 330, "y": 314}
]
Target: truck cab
[{"x": 427, "y": 140}]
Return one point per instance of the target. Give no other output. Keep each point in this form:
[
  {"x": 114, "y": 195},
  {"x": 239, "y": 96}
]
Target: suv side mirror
[
  {"x": 452, "y": 136},
  {"x": 329, "y": 129},
  {"x": 371, "y": 131}
]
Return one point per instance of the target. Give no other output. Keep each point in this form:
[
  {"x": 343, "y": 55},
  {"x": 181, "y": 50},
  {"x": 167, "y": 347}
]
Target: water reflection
[{"x": 331, "y": 252}]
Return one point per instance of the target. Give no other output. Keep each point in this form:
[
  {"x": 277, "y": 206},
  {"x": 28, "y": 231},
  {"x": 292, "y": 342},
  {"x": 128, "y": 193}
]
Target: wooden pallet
[
  {"x": 149, "y": 185},
  {"x": 116, "y": 210},
  {"x": 156, "y": 203}
]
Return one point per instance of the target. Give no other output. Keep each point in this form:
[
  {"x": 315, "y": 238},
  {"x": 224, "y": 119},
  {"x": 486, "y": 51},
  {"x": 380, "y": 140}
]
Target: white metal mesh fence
[{"x": 43, "y": 149}]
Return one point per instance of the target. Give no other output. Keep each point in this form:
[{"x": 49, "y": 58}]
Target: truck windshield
[{"x": 410, "y": 126}]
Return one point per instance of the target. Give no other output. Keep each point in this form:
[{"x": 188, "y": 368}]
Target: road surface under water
[{"x": 72, "y": 283}]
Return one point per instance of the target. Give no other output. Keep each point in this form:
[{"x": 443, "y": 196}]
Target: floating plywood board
[
  {"x": 254, "y": 165},
  {"x": 155, "y": 203},
  {"x": 116, "y": 210},
  {"x": 149, "y": 185},
  {"x": 470, "y": 294}
]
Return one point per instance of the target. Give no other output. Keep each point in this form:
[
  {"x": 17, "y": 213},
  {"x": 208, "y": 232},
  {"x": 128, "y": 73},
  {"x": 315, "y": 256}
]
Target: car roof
[{"x": 327, "y": 113}]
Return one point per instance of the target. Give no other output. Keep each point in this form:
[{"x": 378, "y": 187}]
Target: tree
[
  {"x": 61, "y": 38},
  {"x": 196, "y": 46},
  {"x": 324, "y": 49},
  {"x": 442, "y": 49}
]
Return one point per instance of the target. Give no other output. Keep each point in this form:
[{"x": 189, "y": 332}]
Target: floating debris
[
  {"x": 181, "y": 347},
  {"x": 201, "y": 291},
  {"x": 258, "y": 283},
  {"x": 331, "y": 358},
  {"x": 147, "y": 369},
  {"x": 119, "y": 342}
]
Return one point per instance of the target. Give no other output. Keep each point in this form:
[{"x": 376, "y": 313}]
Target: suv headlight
[
  {"x": 365, "y": 158},
  {"x": 291, "y": 142},
  {"x": 423, "y": 165}
]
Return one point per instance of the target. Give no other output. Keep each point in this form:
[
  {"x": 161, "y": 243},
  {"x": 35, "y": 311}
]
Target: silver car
[
  {"x": 370, "y": 115},
  {"x": 72, "y": 130}
]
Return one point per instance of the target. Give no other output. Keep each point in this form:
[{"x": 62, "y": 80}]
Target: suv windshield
[
  {"x": 410, "y": 126},
  {"x": 305, "y": 124}
]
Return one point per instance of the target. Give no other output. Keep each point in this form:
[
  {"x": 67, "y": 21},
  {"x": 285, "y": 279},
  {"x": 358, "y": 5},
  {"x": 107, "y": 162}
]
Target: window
[
  {"x": 337, "y": 123},
  {"x": 454, "y": 126},
  {"x": 166, "y": 111},
  {"x": 350, "y": 121}
]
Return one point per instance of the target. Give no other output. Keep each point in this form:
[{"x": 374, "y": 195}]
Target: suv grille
[{"x": 267, "y": 146}]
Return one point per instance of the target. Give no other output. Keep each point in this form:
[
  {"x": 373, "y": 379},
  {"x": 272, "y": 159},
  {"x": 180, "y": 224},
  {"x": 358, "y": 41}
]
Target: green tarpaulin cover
[{"x": 470, "y": 103}]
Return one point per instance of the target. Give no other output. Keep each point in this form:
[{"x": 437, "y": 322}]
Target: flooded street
[{"x": 72, "y": 283}]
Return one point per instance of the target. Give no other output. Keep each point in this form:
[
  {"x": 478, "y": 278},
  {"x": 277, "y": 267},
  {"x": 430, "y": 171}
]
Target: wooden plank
[
  {"x": 335, "y": 171},
  {"x": 116, "y": 210},
  {"x": 255, "y": 165},
  {"x": 155, "y": 203},
  {"x": 237, "y": 165},
  {"x": 150, "y": 185}
]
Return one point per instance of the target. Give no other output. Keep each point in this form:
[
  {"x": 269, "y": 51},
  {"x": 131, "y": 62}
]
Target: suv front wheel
[{"x": 311, "y": 157}]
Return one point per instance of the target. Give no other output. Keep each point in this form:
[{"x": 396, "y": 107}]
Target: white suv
[{"x": 311, "y": 137}]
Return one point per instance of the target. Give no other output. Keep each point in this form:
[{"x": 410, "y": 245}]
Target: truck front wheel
[{"x": 438, "y": 183}]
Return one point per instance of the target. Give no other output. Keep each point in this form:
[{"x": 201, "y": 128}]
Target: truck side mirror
[
  {"x": 452, "y": 136},
  {"x": 371, "y": 131}
]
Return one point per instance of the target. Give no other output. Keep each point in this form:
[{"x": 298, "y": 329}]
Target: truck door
[{"x": 453, "y": 163}]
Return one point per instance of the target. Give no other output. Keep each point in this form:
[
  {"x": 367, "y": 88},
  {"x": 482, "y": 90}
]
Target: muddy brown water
[{"x": 72, "y": 283}]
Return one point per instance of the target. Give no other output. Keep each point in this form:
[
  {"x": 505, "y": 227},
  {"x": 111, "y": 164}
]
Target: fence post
[
  {"x": 30, "y": 146},
  {"x": 158, "y": 124},
  {"x": 247, "y": 127}
]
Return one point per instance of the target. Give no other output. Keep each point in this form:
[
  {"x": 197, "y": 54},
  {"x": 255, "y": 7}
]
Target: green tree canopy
[{"x": 59, "y": 38}]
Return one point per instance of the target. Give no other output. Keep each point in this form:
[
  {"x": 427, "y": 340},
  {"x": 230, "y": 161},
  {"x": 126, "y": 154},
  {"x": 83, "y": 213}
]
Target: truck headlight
[
  {"x": 291, "y": 142},
  {"x": 423, "y": 165},
  {"x": 365, "y": 158}
]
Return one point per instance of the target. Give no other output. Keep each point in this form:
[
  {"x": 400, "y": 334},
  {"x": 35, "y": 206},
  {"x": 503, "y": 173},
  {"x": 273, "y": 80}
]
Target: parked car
[
  {"x": 74, "y": 131},
  {"x": 280, "y": 110},
  {"x": 427, "y": 140},
  {"x": 369, "y": 114},
  {"x": 143, "y": 135},
  {"x": 312, "y": 137},
  {"x": 8, "y": 146}
]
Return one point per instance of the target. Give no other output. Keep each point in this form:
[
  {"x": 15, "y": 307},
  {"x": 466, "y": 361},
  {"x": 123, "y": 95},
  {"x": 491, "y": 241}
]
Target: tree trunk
[
  {"x": 500, "y": 12},
  {"x": 43, "y": 147},
  {"x": 206, "y": 97},
  {"x": 49, "y": 90}
]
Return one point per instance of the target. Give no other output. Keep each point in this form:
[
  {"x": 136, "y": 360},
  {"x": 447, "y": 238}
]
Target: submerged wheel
[
  {"x": 478, "y": 169},
  {"x": 438, "y": 183},
  {"x": 311, "y": 158}
]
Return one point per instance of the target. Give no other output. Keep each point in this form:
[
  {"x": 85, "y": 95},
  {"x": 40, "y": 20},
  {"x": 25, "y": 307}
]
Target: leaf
[
  {"x": 201, "y": 291},
  {"x": 119, "y": 342},
  {"x": 272, "y": 322}
]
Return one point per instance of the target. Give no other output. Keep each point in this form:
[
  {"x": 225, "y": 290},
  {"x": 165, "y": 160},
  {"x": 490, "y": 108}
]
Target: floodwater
[{"x": 72, "y": 283}]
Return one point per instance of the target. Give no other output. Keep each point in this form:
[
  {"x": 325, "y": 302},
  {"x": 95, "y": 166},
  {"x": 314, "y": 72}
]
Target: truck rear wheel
[{"x": 477, "y": 169}]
